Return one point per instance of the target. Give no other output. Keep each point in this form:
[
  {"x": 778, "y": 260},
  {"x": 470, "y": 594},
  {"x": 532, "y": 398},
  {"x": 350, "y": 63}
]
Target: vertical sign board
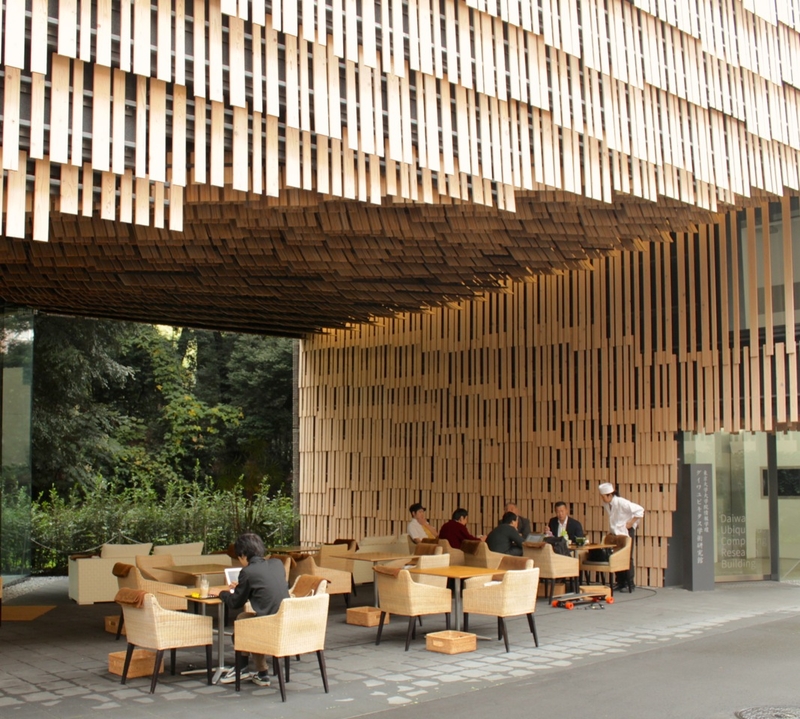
[{"x": 700, "y": 565}]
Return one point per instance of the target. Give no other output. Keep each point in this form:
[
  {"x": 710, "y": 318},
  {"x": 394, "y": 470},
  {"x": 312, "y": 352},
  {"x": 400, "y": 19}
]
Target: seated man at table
[
  {"x": 505, "y": 538},
  {"x": 562, "y": 525},
  {"x": 524, "y": 526},
  {"x": 262, "y": 582},
  {"x": 419, "y": 527},
  {"x": 455, "y": 531}
]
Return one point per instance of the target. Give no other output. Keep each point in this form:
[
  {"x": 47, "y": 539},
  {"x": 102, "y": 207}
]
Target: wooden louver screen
[{"x": 541, "y": 393}]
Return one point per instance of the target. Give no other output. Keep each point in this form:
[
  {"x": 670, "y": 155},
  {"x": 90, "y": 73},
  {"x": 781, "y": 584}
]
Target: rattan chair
[
  {"x": 400, "y": 594},
  {"x": 456, "y": 555},
  {"x": 431, "y": 560},
  {"x": 129, "y": 577},
  {"x": 618, "y": 561},
  {"x": 339, "y": 582},
  {"x": 426, "y": 548},
  {"x": 150, "y": 567},
  {"x": 298, "y": 627},
  {"x": 306, "y": 585},
  {"x": 552, "y": 566},
  {"x": 478, "y": 554},
  {"x": 512, "y": 596},
  {"x": 157, "y": 629},
  {"x": 330, "y": 558}
]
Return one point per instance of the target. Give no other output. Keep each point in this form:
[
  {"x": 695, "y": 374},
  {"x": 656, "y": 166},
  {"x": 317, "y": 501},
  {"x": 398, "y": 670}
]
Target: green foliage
[
  {"x": 184, "y": 512},
  {"x": 75, "y": 362},
  {"x": 178, "y": 432},
  {"x": 15, "y": 509},
  {"x": 147, "y": 406}
]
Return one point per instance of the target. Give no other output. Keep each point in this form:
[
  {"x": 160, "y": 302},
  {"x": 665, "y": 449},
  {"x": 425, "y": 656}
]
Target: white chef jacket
[{"x": 620, "y": 511}]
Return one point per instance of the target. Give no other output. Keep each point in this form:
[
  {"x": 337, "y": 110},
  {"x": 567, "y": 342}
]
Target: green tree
[
  {"x": 175, "y": 435},
  {"x": 72, "y": 431},
  {"x": 260, "y": 377},
  {"x": 147, "y": 406}
]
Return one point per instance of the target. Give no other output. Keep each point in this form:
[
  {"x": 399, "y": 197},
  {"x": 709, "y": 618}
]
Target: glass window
[
  {"x": 16, "y": 362},
  {"x": 741, "y": 522}
]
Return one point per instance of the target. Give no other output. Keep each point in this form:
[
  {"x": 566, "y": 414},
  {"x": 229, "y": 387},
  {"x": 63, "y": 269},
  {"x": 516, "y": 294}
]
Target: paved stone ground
[{"x": 56, "y": 666}]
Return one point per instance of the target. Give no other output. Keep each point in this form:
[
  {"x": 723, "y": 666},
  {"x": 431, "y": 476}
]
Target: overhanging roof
[{"x": 254, "y": 266}]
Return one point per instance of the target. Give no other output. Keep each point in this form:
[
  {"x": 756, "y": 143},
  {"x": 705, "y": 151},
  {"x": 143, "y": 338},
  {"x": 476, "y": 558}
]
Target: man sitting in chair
[
  {"x": 562, "y": 525},
  {"x": 505, "y": 538},
  {"x": 262, "y": 582},
  {"x": 419, "y": 527},
  {"x": 455, "y": 531}
]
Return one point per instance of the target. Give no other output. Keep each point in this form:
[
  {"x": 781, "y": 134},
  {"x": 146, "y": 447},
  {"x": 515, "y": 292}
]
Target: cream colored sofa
[{"x": 90, "y": 577}]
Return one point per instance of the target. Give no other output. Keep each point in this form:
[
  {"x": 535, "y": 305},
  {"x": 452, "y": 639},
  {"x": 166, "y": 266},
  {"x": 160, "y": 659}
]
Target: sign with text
[{"x": 700, "y": 574}]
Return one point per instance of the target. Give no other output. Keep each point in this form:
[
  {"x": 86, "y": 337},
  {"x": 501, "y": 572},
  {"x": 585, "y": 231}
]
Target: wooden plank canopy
[{"x": 313, "y": 164}]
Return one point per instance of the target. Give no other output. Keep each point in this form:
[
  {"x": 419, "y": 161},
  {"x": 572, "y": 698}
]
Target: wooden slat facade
[{"x": 539, "y": 393}]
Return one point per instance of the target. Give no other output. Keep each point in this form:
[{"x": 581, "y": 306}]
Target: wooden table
[
  {"x": 293, "y": 550},
  {"x": 203, "y": 602},
  {"x": 196, "y": 570},
  {"x": 459, "y": 574}
]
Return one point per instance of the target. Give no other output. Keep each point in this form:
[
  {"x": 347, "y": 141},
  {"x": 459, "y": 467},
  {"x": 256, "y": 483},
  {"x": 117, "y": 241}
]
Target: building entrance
[{"x": 756, "y": 480}]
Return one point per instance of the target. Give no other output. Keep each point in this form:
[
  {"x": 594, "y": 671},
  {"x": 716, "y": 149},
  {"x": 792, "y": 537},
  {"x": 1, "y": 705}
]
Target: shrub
[{"x": 110, "y": 512}]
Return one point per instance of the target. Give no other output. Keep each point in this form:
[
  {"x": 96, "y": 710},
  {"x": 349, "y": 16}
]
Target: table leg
[
  {"x": 457, "y": 603},
  {"x": 221, "y": 668}
]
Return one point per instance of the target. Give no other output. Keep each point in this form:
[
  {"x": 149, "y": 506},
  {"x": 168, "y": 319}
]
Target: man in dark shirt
[
  {"x": 523, "y": 523},
  {"x": 262, "y": 582},
  {"x": 505, "y": 538},
  {"x": 455, "y": 531}
]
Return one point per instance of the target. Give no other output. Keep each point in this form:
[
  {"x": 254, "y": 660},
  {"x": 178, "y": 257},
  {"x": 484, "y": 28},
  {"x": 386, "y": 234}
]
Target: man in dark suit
[
  {"x": 524, "y": 524},
  {"x": 505, "y": 538},
  {"x": 563, "y": 524}
]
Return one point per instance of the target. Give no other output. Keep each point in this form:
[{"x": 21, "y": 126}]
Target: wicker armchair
[
  {"x": 478, "y": 554},
  {"x": 149, "y": 565},
  {"x": 421, "y": 561},
  {"x": 157, "y": 629},
  {"x": 339, "y": 582},
  {"x": 306, "y": 585},
  {"x": 129, "y": 577},
  {"x": 618, "y": 561},
  {"x": 399, "y": 594},
  {"x": 456, "y": 555},
  {"x": 431, "y": 560},
  {"x": 552, "y": 566},
  {"x": 426, "y": 548},
  {"x": 330, "y": 558},
  {"x": 298, "y": 627},
  {"x": 512, "y": 596}
]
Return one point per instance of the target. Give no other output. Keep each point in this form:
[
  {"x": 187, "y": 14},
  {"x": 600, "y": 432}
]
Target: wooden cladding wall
[
  {"x": 541, "y": 393},
  {"x": 124, "y": 109}
]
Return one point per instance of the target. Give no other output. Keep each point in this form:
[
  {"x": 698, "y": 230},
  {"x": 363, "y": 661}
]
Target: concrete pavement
[{"x": 661, "y": 653}]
